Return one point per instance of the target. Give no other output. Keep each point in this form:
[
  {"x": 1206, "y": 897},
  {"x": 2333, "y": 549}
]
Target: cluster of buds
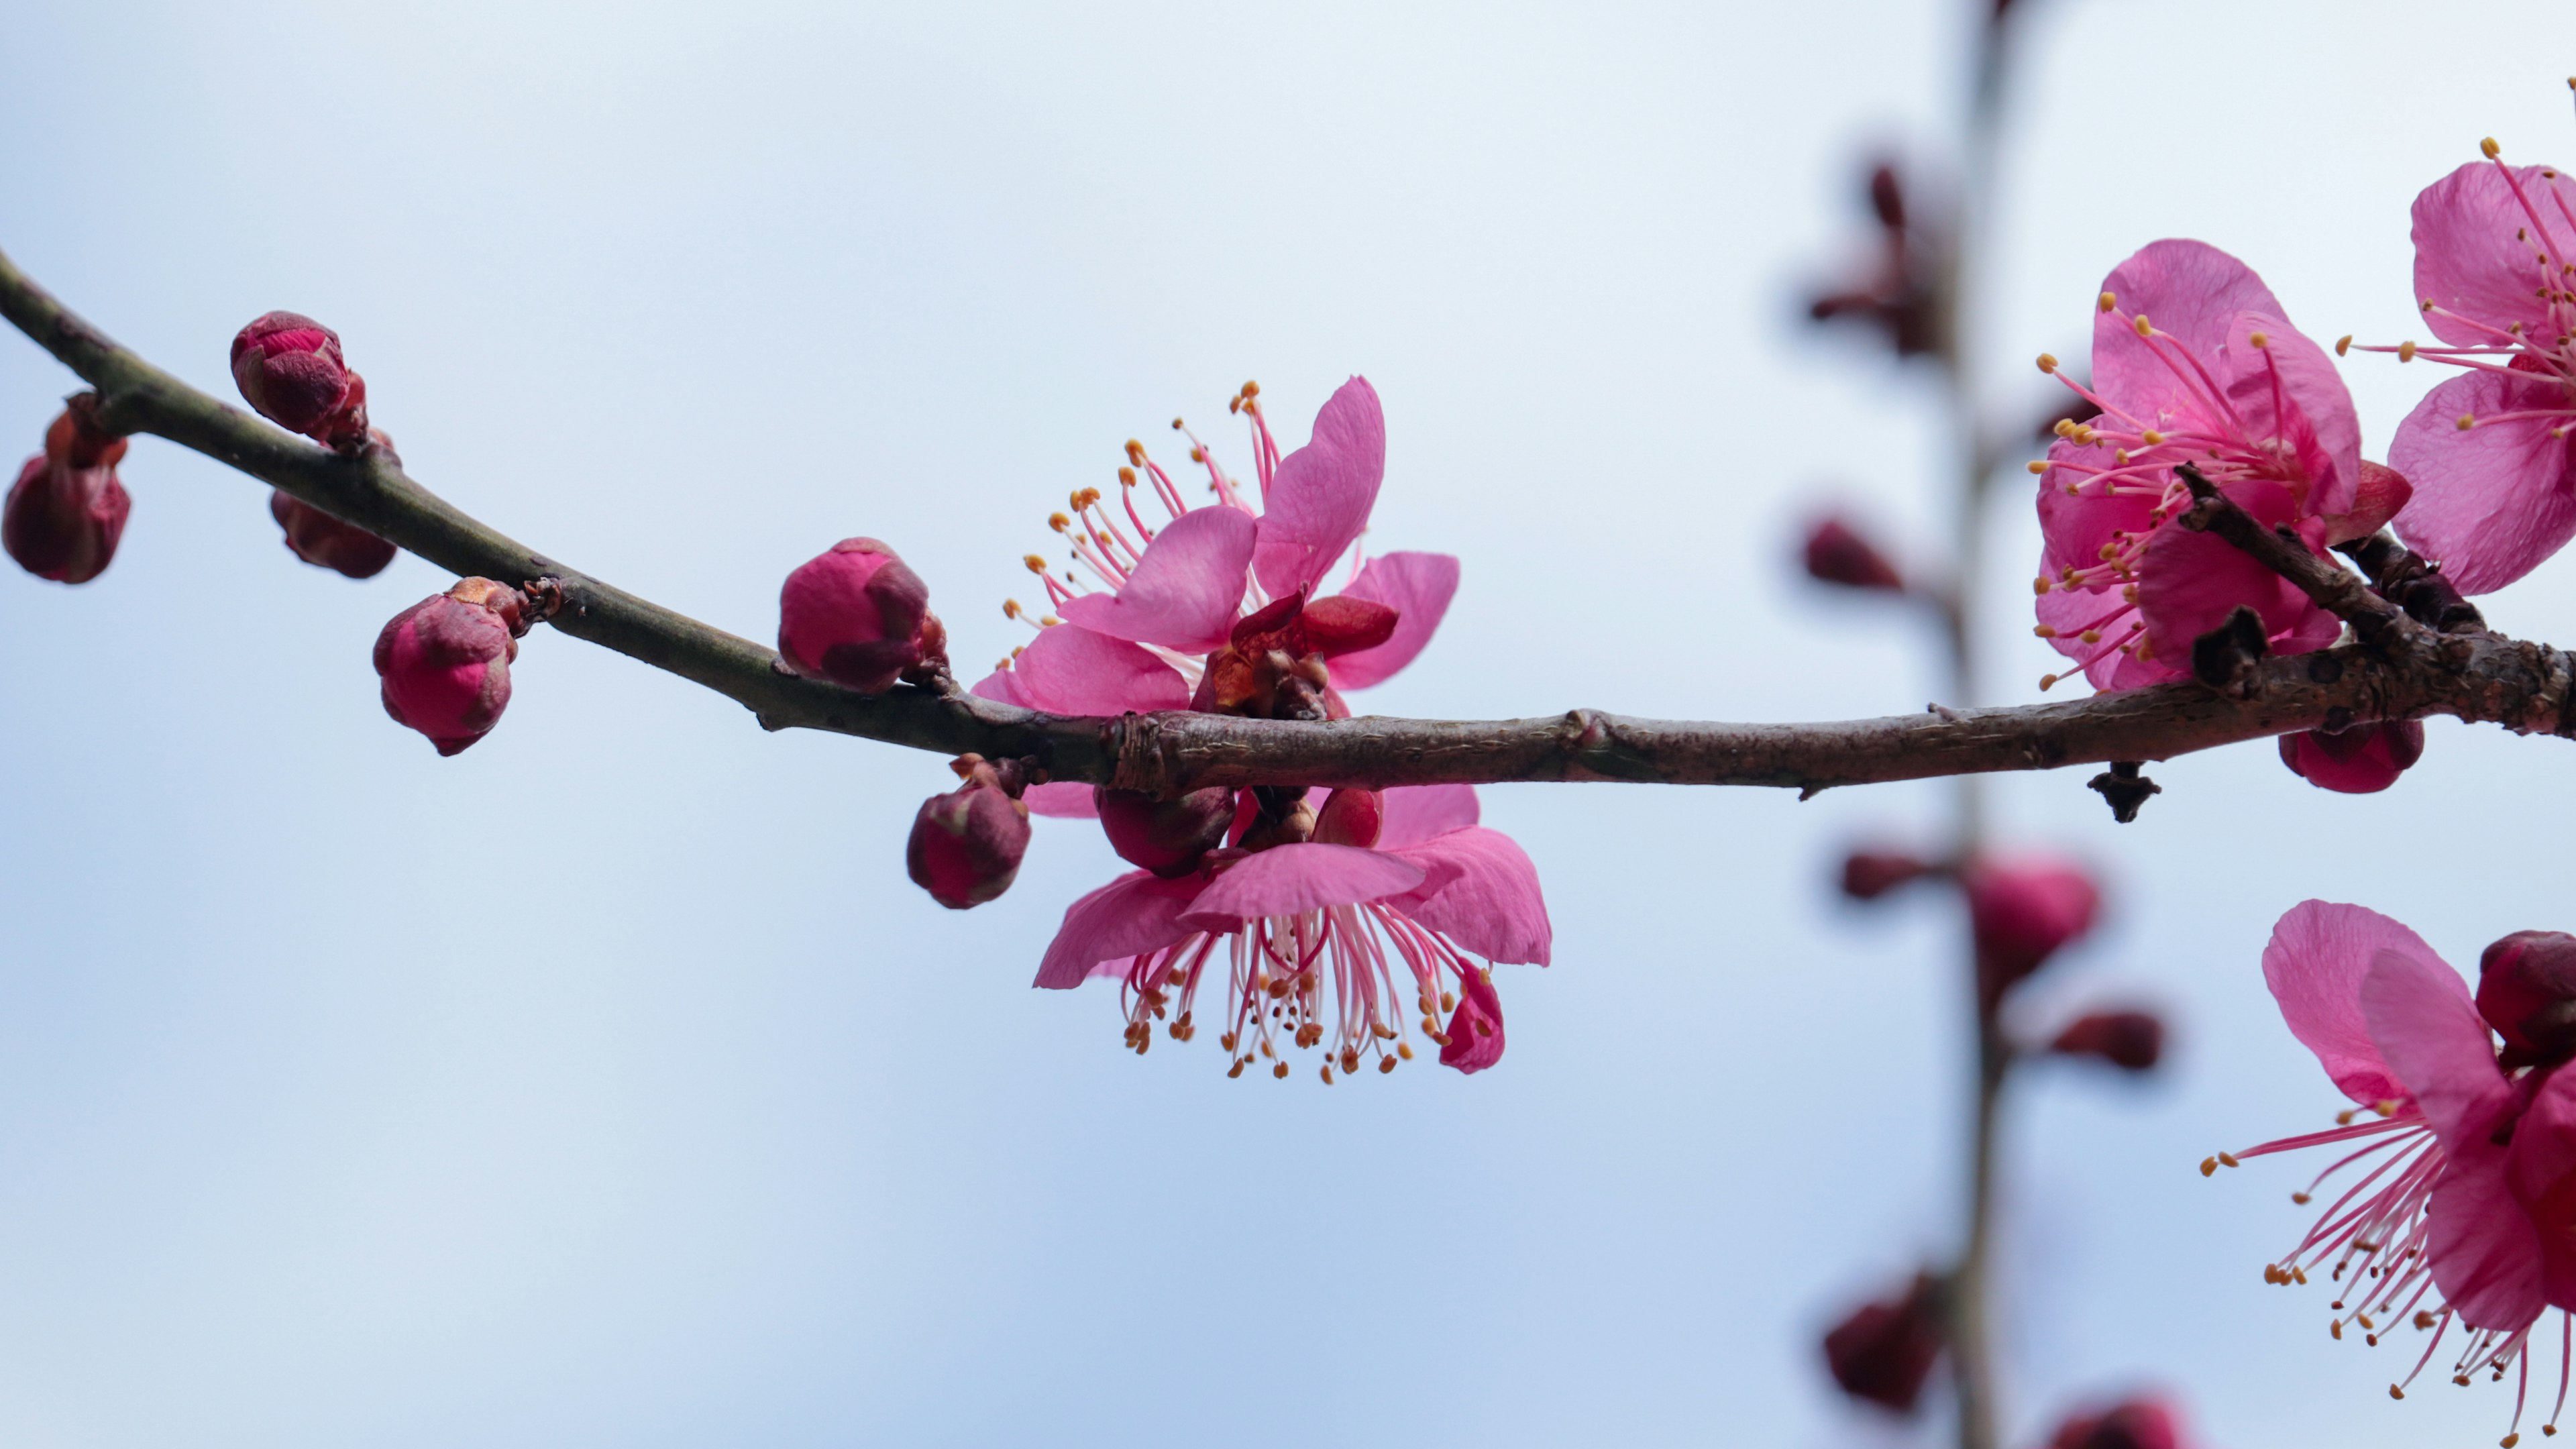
[
  {"x": 966, "y": 845},
  {"x": 858, "y": 616},
  {"x": 1898, "y": 290},
  {"x": 289, "y": 368},
  {"x": 66, "y": 512},
  {"x": 1882, "y": 1351},
  {"x": 445, "y": 661}
]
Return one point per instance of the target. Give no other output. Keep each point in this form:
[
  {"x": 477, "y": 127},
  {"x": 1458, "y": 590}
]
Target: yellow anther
[
  {"x": 2047, "y": 362},
  {"x": 2143, "y": 326},
  {"x": 1126, "y": 477},
  {"x": 1328, "y": 1076},
  {"x": 1198, "y": 455},
  {"x": 2509, "y": 1440},
  {"x": 1059, "y": 522},
  {"x": 1404, "y": 1049},
  {"x": 2208, "y": 1165},
  {"x": 2065, "y": 427},
  {"x": 2039, "y": 585},
  {"x": 1086, "y": 498},
  {"x": 2343, "y": 345},
  {"x": 1036, "y": 564},
  {"x": 2091, "y": 636},
  {"x": 2123, "y": 456},
  {"x": 1136, "y": 450},
  {"x": 2394, "y": 1392},
  {"x": 2466, "y": 422},
  {"x": 2301, "y": 1198},
  {"x": 2385, "y": 1107},
  {"x": 2406, "y": 352},
  {"x": 2037, "y": 465},
  {"x": 2129, "y": 594},
  {"x": 1048, "y": 621},
  {"x": 1010, "y": 608},
  {"x": 2043, "y": 631},
  {"x": 2151, "y": 438},
  {"x": 1252, "y": 389},
  {"x": 2260, "y": 340},
  {"x": 2335, "y": 1327},
  {"x": 1279, "y": 1070},
  {"x": 2108, "y": 301},
  {"x": 1385, "y": 1064},
  {"x": 2228, "y": 1159},
  {"x": 2047, "y": 682},
  {"x": 2491, "y": 149}
]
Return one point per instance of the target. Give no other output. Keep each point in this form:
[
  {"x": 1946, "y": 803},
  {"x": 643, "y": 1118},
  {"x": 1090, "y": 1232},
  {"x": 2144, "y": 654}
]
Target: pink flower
[
  {"x": 2360, "y": 760},
  {"x": 2460, "y": 1219},
  {"x": 2192, "y": 363},
  {"x": 445, "y": 662},
  {"x": 289, "y": 368},
  {"x": 325, "y": 542},
  {"x": 1317, "y": 932},
  {"x": 65, "y": 514},
  {"x": 966, "y": 845},
  {"x": 2021, "y": 912},
  {"x": 858, "y": 616},
  {"x": 2489, "y": 452}
]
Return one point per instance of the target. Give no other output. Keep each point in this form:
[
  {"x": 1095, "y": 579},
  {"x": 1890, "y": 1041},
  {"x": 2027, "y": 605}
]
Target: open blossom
[
  {"x": 2466, "y": 1157},
  {"x": 2490, "y": 451},
  {"x": 1221, "y": 608},
  {"x": 2192, "y": 363}
]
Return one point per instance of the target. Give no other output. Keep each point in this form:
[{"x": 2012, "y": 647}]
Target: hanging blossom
[
  {"x": 2489, "y": 451},
  {"x": 2192, "y": 363},
  {"x": 2461, "y": 1157},
  {"x": 1324, "y": 915}
]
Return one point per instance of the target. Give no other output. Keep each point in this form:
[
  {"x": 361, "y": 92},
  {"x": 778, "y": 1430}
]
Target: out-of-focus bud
[
  {"x": 2359, "y": 760},
  {"x": 858, "y": 616},
  {"x": 2382, "y": 492},
  {"x": 2137, "y": 1424},
  {"x": 2021, "y": 912},
  {"x": 1884, "y": 1351},
  {"x": 1167, "y": 837},
  {"x": 1869, "y": 874},
  {"x": 289, "y": 368},
  {"x": 445, "y": 661},
  {"x": 1475, "y": 1034},
  {"x": 2133, "y": 1041},
  {"x": 325, "y": 542},
  {"x": 1887, "y": 197},
  {"x": 1835, "y": 553},
  {"x": 2527, "y": 992},
  {"x": 64, "y": 515},
  {"x": 966, "y": 845}
]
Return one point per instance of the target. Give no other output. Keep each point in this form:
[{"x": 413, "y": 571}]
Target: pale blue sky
[{"x": 608, "y": 1085}]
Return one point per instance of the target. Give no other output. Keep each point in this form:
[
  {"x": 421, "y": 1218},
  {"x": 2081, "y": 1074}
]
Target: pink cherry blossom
[
  {"x": 2192, "y": 363},
  {"x": 1321, "y": 936},
  {"x": 2466, "y": 1163},
  {"x": 2489, "y": 452}
]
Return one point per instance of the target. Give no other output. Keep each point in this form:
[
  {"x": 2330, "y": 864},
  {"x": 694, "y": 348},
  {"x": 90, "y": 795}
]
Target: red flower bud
[
  {"x": 445, "y": 662},
  {"x": 1884, "y": 1351},
  {"x": 289, "y": 368},
  {"x": 2380, "y": 495},
  {"x": 2137, "y": 1424},
  {"x": 2360, "y": 760},
  {"x": 966, "y": 845},
  {"x": 2020, "y": 914},
  {"x": 1167, "y": 837},
  {"x": 1351, "y": 817},
  {"x": 2527, "y": 992},
  {"x": 1476, "y": 1028},
  {"x": 1835, "y": 554},
  {"x": 321, "y": 540},
  {"x": 1887, "y": 197},
  {"x": 62, "y": 521},
  {"x": 2131, "y": 1040},
  {"x": 857, "y": 616},
  {"x": 1869, "y": 874}
]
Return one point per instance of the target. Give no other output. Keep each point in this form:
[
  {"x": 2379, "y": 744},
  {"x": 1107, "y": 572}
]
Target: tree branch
[{"x": 2475, "y": 676}]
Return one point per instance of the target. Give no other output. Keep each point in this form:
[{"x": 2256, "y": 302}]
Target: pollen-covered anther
[
  {"x": 2490, "y": 149},
  {"x": 2406, "y": 351},
  {"x": 2142, "y": 326},
  {"x": 2047, "y": 362},
  {"x": 2107, "y": 301},
  {"x": 1058, "y": 522},
  {"x": 2037, "y": 466},
  {"x": 2466, "y": 422},
  {"x": 1037, "y": 565},
  {"x": 2260, "y": 340},
  {"x": 2151, "y": 438},
  {"x": 2343, "y": 345},
  {"x": 1136, "y": 450}
]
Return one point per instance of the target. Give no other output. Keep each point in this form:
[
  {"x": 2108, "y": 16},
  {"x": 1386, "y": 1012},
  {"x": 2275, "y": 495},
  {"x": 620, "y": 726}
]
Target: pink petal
[
  {"x": 2315, "y": 962},
  {"x": 1068, "y": 669},
  {"x": 2484, "y": 1251},
  {"x": 2289, "y": 389},
  {"x": 2188, "y": 583},
  {"x": 1480, "y": 891},
  {"x": 2474, "y": 253},
  {"x": 1319, "y": 499},
  {"x": 1186, "y": 591},
  {"x": 2492, "y": 502},
  {"x": 1131, "y": 915},
  {"x": 2189, "y": 289},
  {"x": 2072, "y": 611},
  {"x": 2541, "y": 1166},
  {"x": 1000, "y": 686},
  {"x": 1415, "y": 813},
  {"x": 1418, "y": 586},
  {"x": 1287, "y": 879},
  {"x": 2074, "y": 526},
  {"x": 1475, "y": 1029},
  {"x": 2429, "y": 1032}
]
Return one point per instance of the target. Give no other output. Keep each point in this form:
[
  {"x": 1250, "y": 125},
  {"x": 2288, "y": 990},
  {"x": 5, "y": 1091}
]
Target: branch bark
[{"x": 2475, "y": 676}]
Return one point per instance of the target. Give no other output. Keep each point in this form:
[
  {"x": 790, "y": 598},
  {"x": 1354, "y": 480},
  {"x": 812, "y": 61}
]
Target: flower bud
[
  {"x": 2021, "y": 913},
  {"x": 2379, "y": 496},
  {"x": 1475, "y": 1029},
  {"x": 67, "y": 510},
  {"x": 289, "y": 368},
  {"x": 1167, "y": 837},
  {"x": 2133, "y": 1041},
  {"x": 445, "y": 662},
  {"x": 325, "y": 542},
  {"x": 2360, "y": 760},
  {"x": 1835, "y": 554},
  {"x": 1887, "y": 196},
  {"x": 2527, "y": 992},
  {"x": 966, "y": 845},
  {"x": 1351, "y": 817},
  {"x": 857, "y": 616},
  {"x": 1869, "y": 874},
  {"x": 1884, "y": 1351},
  {"x": 2137, "y": 1424}
]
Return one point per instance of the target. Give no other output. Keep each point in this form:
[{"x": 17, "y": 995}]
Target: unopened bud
[
  {"x": 325, "y": 542},
  {"x": 1883, "y": 1351},
  {"x": 289, "y": 368},
  {"x": 858, "y": 616},
  {"x": 2527, "y": 992},
  {"x": 1350, "y": 817},
  {"x": 2133, "y": 1041},
  {"x": 2137, "y": 1424},
  {"x": 1167, "y": 837},
  {"x": 2360, "y": 760},
  {"x": 1869, "y": 874},
  {"x": 1836, "y": 554},
  {"x": 966, "y": 845},
  {"x": 1887, "y": 197},
  {"x": 2377, "y": 498},
  {"x": 2020, "y": 913},
  {"x": 62, "y": 521},
  {"x": 445, "y": 662}
]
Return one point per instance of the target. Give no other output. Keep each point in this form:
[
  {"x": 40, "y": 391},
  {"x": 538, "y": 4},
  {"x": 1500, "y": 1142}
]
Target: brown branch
[{"x": 2478, "y": 677}]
